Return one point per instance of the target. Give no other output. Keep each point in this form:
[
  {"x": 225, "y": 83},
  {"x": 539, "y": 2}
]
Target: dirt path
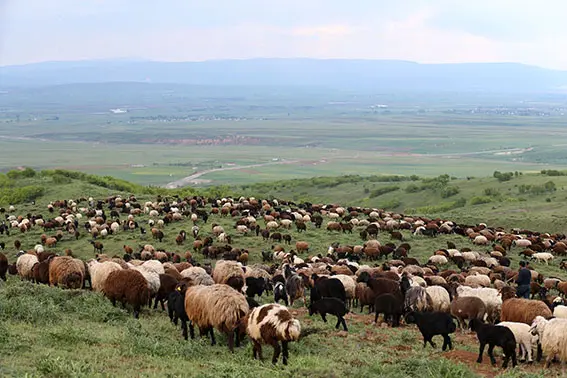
[{"x": 193, "y": 179}]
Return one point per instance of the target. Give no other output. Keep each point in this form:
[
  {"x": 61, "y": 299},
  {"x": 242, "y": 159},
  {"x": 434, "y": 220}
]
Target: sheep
[
  {"x": 41, "y": 271},
  {"x": 489, "y": 296},
  {"x": 391, "y": 306},
  {"x": 542, "y": 256},
  {"x": 438, "y": 260},
  {"x": 431, "y": 324},
  {"x": 66, "y": 272},
  {"x": 551, "y": 337},
  {"x": 152, "y": 279},
  {"x": 333, "y": 306},
  {"x": 560, "y": 311},
  {"x": 349, "y": 284},
  {"x": 440, "y": 298},
  {"x": 523, "y": 337},
  {"x": 217, "y": 306},
  {"x": 494, "y": 336},
  {"x": 154, "y": 266},
  {"x": 3, "y": 266},
  {"x": 167, "y": 285},
  {"x": 99, "y": 272},
  {"x": 127, "y": 286},
  {"x": 197, "y": 276},
  {"x": 365, "y": 296},
  {"x": 24, "y": 265},
  {"x": 293, "y": 286},
  {"x": 230, "y": 273},
  {"x": 326, "y": 287},
  {"x": 477, "y": 280},
  {"x": 417, "y": 299},
  {"x": 255, "y": 286},
  {"x": 463, "y": 308},
  {"x": 280, "y": 293},
  {"x": 522, "y": 310},
  {"x": 270, "y": 324}
]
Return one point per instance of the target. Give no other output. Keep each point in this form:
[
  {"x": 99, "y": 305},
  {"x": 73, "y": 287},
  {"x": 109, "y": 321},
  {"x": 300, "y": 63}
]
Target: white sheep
[
  {"x": 560, "y": 311},
  {"x": 154, "y": 266},
  {"x": 543, "y": 256},
  {"x": 24, "y": 265},
  {"x": 524, "y": 338},
  {"x": 99, "y": 271},
  {"x": 480, "y": 240},
  {"x": 438, "y": 260},
  {"x": 476, "y": 280},
  {"x": 522, "y": 243},
  {"x": 552, "y": 336},
  {"x": 440, "y": 299},
  {"x": 349, "y": 284}
]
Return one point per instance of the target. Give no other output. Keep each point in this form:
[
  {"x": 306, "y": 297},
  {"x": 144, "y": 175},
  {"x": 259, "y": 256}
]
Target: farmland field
[{"x": 160, "y": 133}]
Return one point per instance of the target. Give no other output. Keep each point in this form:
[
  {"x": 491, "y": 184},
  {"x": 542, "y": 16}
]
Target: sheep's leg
[
  {"x": 323, "y": 316},
  {"x": 433, "y": 345},
  {"x": 230, "y": 336},
  {"x": 285, "y": 352},
  {"x": 539, "y": 353},
  {"x": 528, "y": 349},
  {"x": 213, "y": 341},
  {"x": 191, "y": 329},
  {"x": 480, "y": 352},
  {"x": 514, "y": 362},
  {"x": 344, "y": 324},
  {"x": 338, "y": 322},
  {"x": 155, "y": 302},
  {"x": 491, "y": 355},
  {"x": 277, "y": 351},
  {"x": 184, "y": 328},
  {"x": 376, "y": 318},
  {"x": 446, "y": 342},
  {"x": 522, "y": 352}
]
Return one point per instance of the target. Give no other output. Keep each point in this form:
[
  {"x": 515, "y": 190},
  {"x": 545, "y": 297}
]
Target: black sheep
[
  {"x": 255, "y": 286},
  {"x": 331, "y": 306},
  {"x": 176, "y": 308},
  {"x": 494, "y": 336},
  {"x": 431, "y": 324},
  {"x": 280, "y": 293},
  {"x": 327, "y": 287},
  {"x": 391, "y": 306}
]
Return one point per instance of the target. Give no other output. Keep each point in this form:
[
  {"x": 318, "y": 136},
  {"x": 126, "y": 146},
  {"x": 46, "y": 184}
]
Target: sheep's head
[{"x": 538, "y": 325}]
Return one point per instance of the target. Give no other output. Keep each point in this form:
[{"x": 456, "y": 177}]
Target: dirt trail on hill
[{"x": 193, "y": 179}]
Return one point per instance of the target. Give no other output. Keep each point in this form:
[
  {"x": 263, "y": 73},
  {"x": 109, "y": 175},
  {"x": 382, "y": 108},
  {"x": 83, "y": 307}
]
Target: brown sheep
[
  {"x": 127, "y": 286},
  {"x": 41, "y": 271},
  {"x": 167, "y": 286},
  {"x": 521, "y": 310},
  {"x": 66, "y": 272},
  {"x": 302, "y": 246},
  {"x": 467, "y": 308},
  {"x": 3, "y": 266},
  {"x": 364, "y": 296}
]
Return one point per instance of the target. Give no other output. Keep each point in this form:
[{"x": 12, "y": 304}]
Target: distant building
[{"x": 118, "y": 111}]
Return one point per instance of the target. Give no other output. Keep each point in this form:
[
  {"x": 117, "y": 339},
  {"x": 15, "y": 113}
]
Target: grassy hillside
[{"x": 55, "y": 333}]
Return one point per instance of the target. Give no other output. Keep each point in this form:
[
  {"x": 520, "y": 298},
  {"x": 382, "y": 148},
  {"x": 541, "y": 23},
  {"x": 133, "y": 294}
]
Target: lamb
[
  {"x": 24, "y": 265},
  {"x": 391, "y": 306},
  {"x": 331, "y": 306},
  {"x": 66, "y": 272},
  {"x": 217, "y": 306},
  {"x": 270, "y": 324},
  {"x": 431, "y": 324},
  {"x": 523, "y": 337},
  {"x": 495, "y": 336},
  {"x": 99, "y": 272},
  {"x": 230, "y": 273},
  {"x": 127, "y": 286},
  {"x": 552, "y": 337},
  {"x": 469, "y": 308}
]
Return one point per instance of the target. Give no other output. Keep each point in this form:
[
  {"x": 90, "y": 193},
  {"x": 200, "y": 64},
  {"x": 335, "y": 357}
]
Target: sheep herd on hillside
[{"x": 455, "y": 288}]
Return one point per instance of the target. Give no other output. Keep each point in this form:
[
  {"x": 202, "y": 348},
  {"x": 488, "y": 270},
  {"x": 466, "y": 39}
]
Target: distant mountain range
[{"x": 390, "y": 75}]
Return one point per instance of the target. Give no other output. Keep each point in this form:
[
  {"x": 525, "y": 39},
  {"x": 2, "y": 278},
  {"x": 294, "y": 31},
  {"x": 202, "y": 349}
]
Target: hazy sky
[{"x": 429, "y": 31}]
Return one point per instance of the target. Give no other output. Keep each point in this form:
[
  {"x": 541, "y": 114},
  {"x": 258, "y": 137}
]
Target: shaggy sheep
[
  {"x": 127, "y": 286},
  {"x": 440, "y": 298},
  {"x": 477, "y": 280},
  {"x": 431, "y": 324},
  {"x": 551, "y": 337},
  {"x": 494, "y": 336},
  {"x": 293, "y": 286},
  {"x": 523, "y": 337},
  {"x": 230, "y": 273},
  {"x": 99, "y": 272},
  {"x": 197, "y": 276},
  {"x": 66, "y": 272},
  {"x": 270, "y": 324},
  {"x": 417, "y": 299},
  {"x": 24, "y": 265},
  {"x": 217, "y": 306},
  {"x": 522, "y": 310}
]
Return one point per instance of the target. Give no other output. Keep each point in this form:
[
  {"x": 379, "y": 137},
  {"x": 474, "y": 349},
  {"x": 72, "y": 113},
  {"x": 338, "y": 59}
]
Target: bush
[
  {"x": 413, "y": 188},
  {"x": 491, "y": 192},
  {"x": 506, "y": 176},
  {"x": 383, "y": 190},
  {"x": 449, "y": 191},
  {"x": 479, "y": 200}
]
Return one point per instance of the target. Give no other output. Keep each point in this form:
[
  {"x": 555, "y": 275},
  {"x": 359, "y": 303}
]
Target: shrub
[
  {"x": 506, "y": 176},
  {"x": 449, "y": 191},
  {"x": 479, "y": 200},
  {"x": 383, "y": 190}
]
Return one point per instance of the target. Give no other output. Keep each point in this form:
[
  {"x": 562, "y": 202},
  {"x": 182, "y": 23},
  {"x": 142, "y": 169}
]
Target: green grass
[{"x": 51, "y": 332}]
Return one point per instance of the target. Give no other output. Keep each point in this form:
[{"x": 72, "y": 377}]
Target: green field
[
  {"x": 56, "y": 333},
  {"x": 172, "y": 131}
]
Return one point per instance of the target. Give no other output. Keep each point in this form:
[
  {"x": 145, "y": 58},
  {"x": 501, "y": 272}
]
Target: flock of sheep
[{"x": 454, "y": 288}]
